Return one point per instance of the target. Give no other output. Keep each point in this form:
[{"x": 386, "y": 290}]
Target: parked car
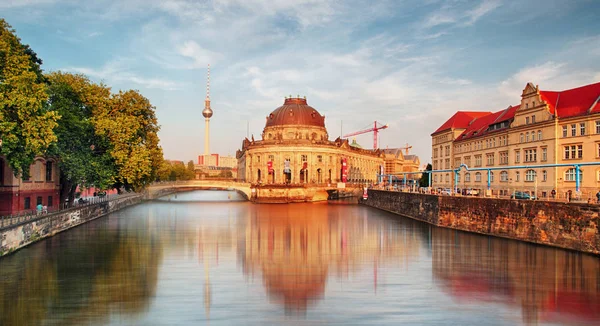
[
  {"x": 447, "y": 192},
  {"x": 522, "y": 195}
]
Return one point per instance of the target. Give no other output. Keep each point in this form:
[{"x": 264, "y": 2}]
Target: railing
[{"x": 34, "y": 214}]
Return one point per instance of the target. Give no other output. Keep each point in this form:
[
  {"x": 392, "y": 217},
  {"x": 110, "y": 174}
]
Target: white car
[{"x": 447, "y": 192}]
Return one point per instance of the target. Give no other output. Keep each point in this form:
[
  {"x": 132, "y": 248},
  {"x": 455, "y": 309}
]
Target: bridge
[{"x": 160, "y": 189}]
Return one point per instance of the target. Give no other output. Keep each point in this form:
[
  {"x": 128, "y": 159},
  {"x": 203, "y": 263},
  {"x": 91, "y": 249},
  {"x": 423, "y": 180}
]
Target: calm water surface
[{"x": 181, "y": 261}]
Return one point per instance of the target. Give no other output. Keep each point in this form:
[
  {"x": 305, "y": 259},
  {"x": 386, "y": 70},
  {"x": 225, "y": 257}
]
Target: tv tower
[{"x": 207, "y": 113}]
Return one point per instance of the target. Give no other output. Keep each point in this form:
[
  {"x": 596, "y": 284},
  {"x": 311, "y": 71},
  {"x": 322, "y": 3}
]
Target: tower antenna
[{"x": 207, "y": 113}]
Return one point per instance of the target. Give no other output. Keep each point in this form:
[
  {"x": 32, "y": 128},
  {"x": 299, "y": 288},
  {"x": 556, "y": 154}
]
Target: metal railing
[{"x": 34, "y": 214}]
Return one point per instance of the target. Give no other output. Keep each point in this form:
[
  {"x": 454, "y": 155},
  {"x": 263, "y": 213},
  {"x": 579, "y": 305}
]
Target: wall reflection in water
[
  {"x": 549, "y": 285},
  {"x": 96, "y": 271}
]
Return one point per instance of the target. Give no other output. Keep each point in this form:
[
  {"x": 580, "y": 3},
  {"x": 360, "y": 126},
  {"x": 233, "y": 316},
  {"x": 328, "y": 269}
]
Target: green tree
[
  {"x": 26, "y": 123},
  {"x": 130, "y": 125},
  {"x": 424, "y": 181},
  {"x": 83, "y": 156}
]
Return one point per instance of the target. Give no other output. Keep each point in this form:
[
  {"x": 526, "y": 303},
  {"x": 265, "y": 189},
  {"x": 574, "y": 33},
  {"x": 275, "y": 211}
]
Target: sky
[{"x": 408, "y": 64}]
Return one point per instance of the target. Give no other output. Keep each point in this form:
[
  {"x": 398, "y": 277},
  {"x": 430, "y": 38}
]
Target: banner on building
[
  {"x": 304, "y": 165},
  {"x": 344, "y": 170},
  {"x": 270, "y": 167},
  {"x": 286, "y": 166}
]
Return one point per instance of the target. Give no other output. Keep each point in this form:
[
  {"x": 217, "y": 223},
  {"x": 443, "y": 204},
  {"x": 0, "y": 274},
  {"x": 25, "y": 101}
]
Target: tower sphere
[{"x": 207, "y": 112}]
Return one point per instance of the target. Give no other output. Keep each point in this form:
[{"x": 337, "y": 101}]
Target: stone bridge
[{"x": 162, "y": 189}]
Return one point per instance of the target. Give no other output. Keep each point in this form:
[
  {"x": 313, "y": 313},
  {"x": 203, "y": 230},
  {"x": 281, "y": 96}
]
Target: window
[
  {"x": 598, "y": 127},
  {"x": 494, "y": 142},
  {"x": 533, "y": 119},
  {"x": 458, "y": 177},
  {"x": 49, "y": 201},
  {"x": 582, "y": 129},
  {"x": 530, "y": 175},
  {"x": 435, "y": 152},
  {"x": 527, "y": 137},
  {"x": 49, "y": 171},
  {"x": 533, "y": 136},
  {"x": 539, "y": 135},
  {"x": 564, "y": 131},
  {"x": 27, "y": 204},
  {"x": 527, "y": 107},
  {"x": 570, "y": 175},
  {"x": 468, "y": 159},
  {"x": 517, "y": 156},
  {"x": 544, "y": 154},
  {"x": 518, "y": 176},
  {"x": 477, "y": 160},
  {"x": 435, "y": 178},
  {"x": 503, "y": 176},
  {"x": 478, "y": 177},
  {"x": 598, "y": 154},
  {"x": 320, "y": 158},
  {"x": 573, "y": 151},
  {"x": 447, "y": 163},
  {"x": 447, "y": 150},
  {"x": 544, "y": 175},
  {"x": 530, "y": 155},
  {"x": 490, "y": 159},
  {"x": 447, "y": 177},
  {"x": 258, "y": 158},
  {"x": 532, "y": 104},
  {"x": 467, "y": 177},
  {"x": 272, "y": 158},
  {"x": 491, "y": 176},
  {"x": 304, "y": 158},
  {"x": 1, "y": 171},
  {"x": 503, "y": 157},
  {"x": 526, "y": 118},
  {"x": 573, "y": 130},
  {"x": 521, "y": 138},
  {"x": 457, "y": 162}
]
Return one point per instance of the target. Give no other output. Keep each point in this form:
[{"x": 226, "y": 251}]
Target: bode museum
[{"x": 295, "y": 148}]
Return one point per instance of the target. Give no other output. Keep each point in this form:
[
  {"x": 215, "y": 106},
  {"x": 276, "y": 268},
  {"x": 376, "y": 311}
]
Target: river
[{"x": 204, "y": 258}]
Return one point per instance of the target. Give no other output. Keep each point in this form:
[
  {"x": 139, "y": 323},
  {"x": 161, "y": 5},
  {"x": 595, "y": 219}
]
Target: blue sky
[{"x": 410, "y": 64}]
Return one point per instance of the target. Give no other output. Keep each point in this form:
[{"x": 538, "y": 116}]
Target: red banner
[
  {"x": 270, "y": 166},
  {"x": 304, "y": 165},
  {"x": 344, "y": 170}
]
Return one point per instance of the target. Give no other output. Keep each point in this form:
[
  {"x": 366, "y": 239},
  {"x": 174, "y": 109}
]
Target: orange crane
[
  {"x": 406, "y": 148},
  {"x": 376, "y": 127}
]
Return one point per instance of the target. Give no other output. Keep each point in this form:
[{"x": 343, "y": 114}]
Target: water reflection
[
  {"x": 549, "y": 285},
  {"x": 94, "y": 272},
  {"x": 186, "y": 262}
]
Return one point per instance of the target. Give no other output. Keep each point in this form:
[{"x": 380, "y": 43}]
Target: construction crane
[
  {"x": 375, "y": 129},
  {"x": 406, "y": 148}
]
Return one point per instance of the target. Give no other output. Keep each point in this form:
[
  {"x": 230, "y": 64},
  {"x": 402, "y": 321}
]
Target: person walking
[{"x": 598, "y": 197}]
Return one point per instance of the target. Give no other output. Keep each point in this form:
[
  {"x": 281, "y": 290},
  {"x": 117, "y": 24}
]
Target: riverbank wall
[
  {"x": 23, "y": 234},
  {"x": 566, "y": 225}
]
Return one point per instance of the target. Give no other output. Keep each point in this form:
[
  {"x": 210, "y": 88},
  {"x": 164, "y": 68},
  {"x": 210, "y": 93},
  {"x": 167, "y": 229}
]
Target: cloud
[
  {"x": 115, "y": 72},
  {"x": 200, "y": 57},
  {"x": 454, "y": 15},
  {"x": 484, "y": 8}
]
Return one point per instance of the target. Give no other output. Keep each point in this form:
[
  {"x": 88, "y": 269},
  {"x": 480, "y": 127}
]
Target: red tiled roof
[
  {"x": 574, "y": 102},
  {"x": 480, "y": 126},
  {"x": 460, "y": 120}
]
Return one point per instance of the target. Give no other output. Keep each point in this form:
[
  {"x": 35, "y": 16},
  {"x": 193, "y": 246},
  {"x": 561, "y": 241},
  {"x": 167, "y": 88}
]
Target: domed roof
[
  {"x": 295, "y": 111},
  {"x": 355, "y": 144}
]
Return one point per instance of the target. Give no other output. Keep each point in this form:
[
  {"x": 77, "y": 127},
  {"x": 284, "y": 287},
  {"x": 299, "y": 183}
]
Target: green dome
[{"x": 355, "y": 144}]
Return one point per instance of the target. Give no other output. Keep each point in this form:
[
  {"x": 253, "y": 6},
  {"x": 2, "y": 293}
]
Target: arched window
[
  {"x": 530, "y": 175},
  {"x": 477, "y": 176},
  {"x": 504, "y": 176},
  {"x": 533, "y": 136},
  {"x": 467, "y": 177},
  {"x": 518, "y": 176},
  {"x": 491, "y": 176},
  {"x": 539, "y": 135},
  {"x": 570, "y": 174},
  {"x": 527, "y": 136},
  {"x": 544, "y": 175},
  {"x": 521, "y": 138}
]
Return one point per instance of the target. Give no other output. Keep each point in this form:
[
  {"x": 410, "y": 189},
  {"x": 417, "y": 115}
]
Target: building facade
[
  {"x": 547, "y": 127},
  {"x": 295, "y": 148},
  {"x": 400, "y": 164},
  {"x": 22, "y": 194}
]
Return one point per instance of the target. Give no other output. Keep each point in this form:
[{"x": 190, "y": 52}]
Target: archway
[
  {"x": 329, "y": 175},
  {"x": 258, "y": 176},
  {"x": 319, "y": 176}
]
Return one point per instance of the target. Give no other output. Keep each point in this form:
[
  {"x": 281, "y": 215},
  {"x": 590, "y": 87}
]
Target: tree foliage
[
  {"x": 26, "y": 124},
  {"x": 84, "y": 158},
  {"x": 175, "y": 170},
  {"x": 424, "y": 181},
  {"x": 130, "y": 125}
]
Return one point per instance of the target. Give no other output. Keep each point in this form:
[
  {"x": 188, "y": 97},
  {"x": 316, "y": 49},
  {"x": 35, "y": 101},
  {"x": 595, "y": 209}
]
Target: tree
[
  {"x": 130, "y": 125},
  {"x": 83, "y": 156},
  {"x": 26, "y": 123},
  {"x": 191, "y": 167},
  {"x": 424, "y": 181}
]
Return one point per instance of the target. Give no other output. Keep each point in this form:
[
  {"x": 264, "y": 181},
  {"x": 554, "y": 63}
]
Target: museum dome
[{"x": 295, "y": 111}]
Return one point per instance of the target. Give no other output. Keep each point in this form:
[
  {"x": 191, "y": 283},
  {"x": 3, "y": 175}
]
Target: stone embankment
[
  {"x": 566, "y": 225},
  {"x": 22, "y": 234}
]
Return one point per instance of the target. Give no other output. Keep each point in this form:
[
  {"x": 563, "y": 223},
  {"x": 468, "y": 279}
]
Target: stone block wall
[
  {"x": 566, "y": 225},
  {"x": 21, "y": 235}
]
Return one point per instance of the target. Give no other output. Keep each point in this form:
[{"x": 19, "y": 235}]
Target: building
[
  {"x": 400, "y": 164},
  {"x": 22, "y": 194},
  {"x": 546, "y": 127},
  {"x": 295, "y": 148}
]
